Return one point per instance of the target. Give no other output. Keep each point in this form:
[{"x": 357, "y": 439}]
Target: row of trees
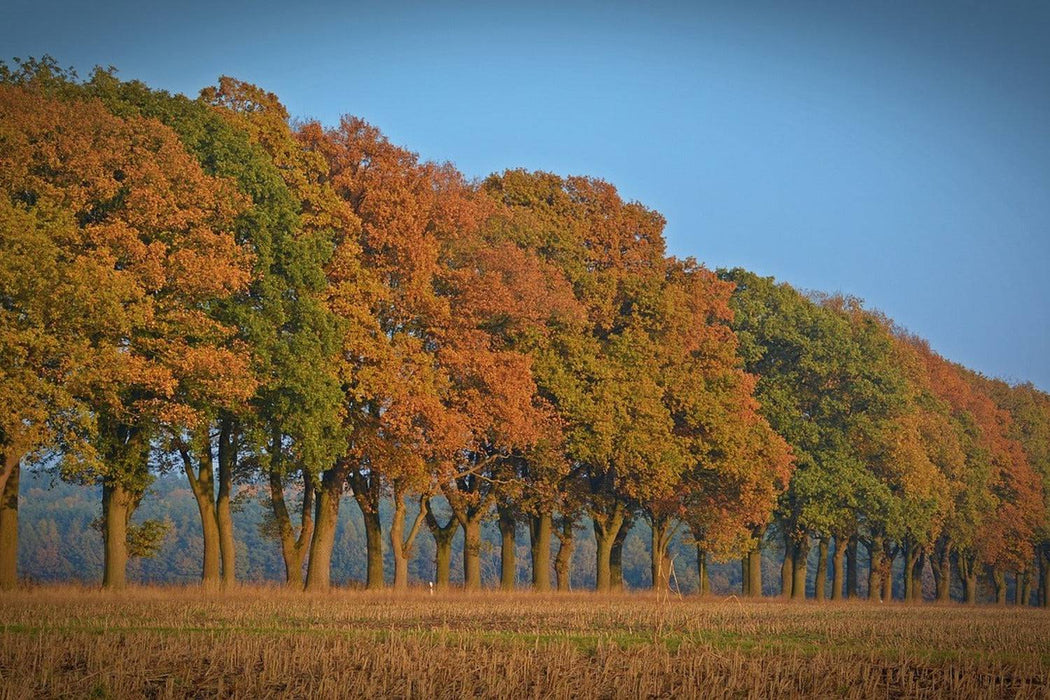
[{"x": 201, "y": 285}]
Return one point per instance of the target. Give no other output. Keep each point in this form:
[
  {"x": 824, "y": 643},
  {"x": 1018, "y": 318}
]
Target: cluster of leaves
[
  {"x": 183, "y": 278},
  {"x": 894, "y": 444}
]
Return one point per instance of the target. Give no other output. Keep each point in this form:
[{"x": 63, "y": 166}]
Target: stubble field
[{"x": 71, "y": 642}]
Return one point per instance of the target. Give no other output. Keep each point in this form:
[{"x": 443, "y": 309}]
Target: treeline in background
[{"x": 218, "y": 325}]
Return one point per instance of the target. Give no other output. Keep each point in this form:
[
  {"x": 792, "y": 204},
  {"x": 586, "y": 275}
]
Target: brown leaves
[{"x": 145, "y": 248}]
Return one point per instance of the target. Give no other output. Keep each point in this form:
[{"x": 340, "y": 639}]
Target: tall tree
[
  {"x": 600, "y": 376},
  {"x": 153, "y": 234},
  {"x": 736, "y": 465}
]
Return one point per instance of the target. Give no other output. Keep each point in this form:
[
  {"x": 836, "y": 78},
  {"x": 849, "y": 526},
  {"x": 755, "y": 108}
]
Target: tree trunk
[
  {"x": 971, "y": 589},
  {"x": 563, "y": 561},
  {"x": 117, "y": 505},
  {"x": 373, "y": 550},
  {"x": 887, "y": 583},
  {"x": 942, "y": 567},
  {"x": 852, "y": 567},
  {"x": 912, "y": 554},
  {"x": 754, "y": 566},
  {"x": 916, "y": 577},
  {"x": 999, "y": 581},
  {"x": 400, "y": 544},
  {"x": 890, "y": 550},
  {"x": 202, "y": 484},
  {"x": 967, "y": 566},
  {"x": 368, "y": 491},
  {"x": 703, "y": 584},
  {"x": 661, "y": 562},
  {"x": 508, "y": 564},
  {"x": 319, "y": 569},
  {"x": 443, "y": 535},
  {"x": 800, "y": 569},
  {"x": 606, "y": 529},
  {"x": 293, "y": 548},
  {"x": 472, "y": 555},
  {"x": 1044, "y": 576},
  {"x": 9, "y": 524},
  {"x": 745, "y": 575},
  {"x": 443, "y": 562},
  {"x": 223, "y": 512},
  {"x": 838, "y": 566},
  {"x": 616, "y": 555},
  {"x": 875, "y": 557},
  {"x": 540, "y": 541},
  {"x": 210, "y": 569},
  {"x": 787, "y": 569},
  {"x": 822, "y": 570},
  {"x": 1024, "y": 588}
]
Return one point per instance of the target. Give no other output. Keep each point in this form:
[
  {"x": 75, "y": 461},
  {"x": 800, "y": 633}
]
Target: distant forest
[
  {"x": 236, "y": 347},
  {"x": 60, "y": 542}
]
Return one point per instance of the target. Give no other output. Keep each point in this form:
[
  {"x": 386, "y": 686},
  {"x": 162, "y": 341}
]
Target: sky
[{"x": 894, "y": 151}]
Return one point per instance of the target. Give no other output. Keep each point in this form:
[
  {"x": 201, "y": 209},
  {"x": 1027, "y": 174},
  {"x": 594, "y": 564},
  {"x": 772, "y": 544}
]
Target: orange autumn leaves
[
  {"x": 524, "y": 339},
  {"x": 142, "y": 243}
]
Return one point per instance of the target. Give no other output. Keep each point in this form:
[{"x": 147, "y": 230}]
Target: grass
[{"x": 261, "y": 642}]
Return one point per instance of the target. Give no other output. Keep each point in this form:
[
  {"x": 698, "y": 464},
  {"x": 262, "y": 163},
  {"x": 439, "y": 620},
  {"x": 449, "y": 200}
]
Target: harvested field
[{"x": 256, "y": 642}]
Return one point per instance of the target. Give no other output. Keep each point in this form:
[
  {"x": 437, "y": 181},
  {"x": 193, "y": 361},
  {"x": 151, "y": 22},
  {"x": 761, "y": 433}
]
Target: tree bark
[
  {"x": 508, "y": 564},
  {"x": 223, "y": 511},
  {"x": 999, "y": 581},
  {"x": 470, "y": 499},
  {"x": 912, "y": 553},
  {"x": 128, "y": 453},
  {"x": 661, "y": 562},
  {"x": 703, "y": 585},
  {"x": 326, "y": 519},
  {"x": 540, "y": 527},
  {"x": 293, "y": 547},
  {"x": 616, "y": 555},
  {"x": 443, "y": 535},
  {"x": 745, "y": 575},
  {"x": 787, "y": 569},
  {"x": 563, "y": 561},
  {"x": 967, "y": 566},
  {"x": 942, "y": 569},
  {"x": 202, "y": 484},
  {"x": 838, "y": 566},
  {"x": 1024, "y": 588},
  {"x": 875, "y": 557},
  {"x": 852, "y": 566},
  {"x": 400, "y": 544},
  {"x": 606, "y": 529},
  {"x": 754, "y": 566},
  {"x": 1044, "y": 576},
  {"x": 367, "y": 490},
  {"x": 800, "y": 569},
  {"x": 9, "y": 523},
  {"x": 822, "y": 570},
  {"x": 373, "y": 550},
  {"x": 890, "y": 551},
  {"x": 916, "y": 577},
  {"x": 117, "y": 505},
  {"x": 472, "y": 554}
]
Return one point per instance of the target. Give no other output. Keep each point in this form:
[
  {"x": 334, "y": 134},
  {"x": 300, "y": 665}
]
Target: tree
[
  {"x": 598, "y": 371},
  {"x": 149, "y": 239},
  {"x": 736, "y": 465},
  {"x": 1029, "y": 410},
  {"x": 827, "y": 383}
]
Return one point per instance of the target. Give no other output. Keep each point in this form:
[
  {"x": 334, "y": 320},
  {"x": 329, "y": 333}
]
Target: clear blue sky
[{"x": 897, "y": 151}]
